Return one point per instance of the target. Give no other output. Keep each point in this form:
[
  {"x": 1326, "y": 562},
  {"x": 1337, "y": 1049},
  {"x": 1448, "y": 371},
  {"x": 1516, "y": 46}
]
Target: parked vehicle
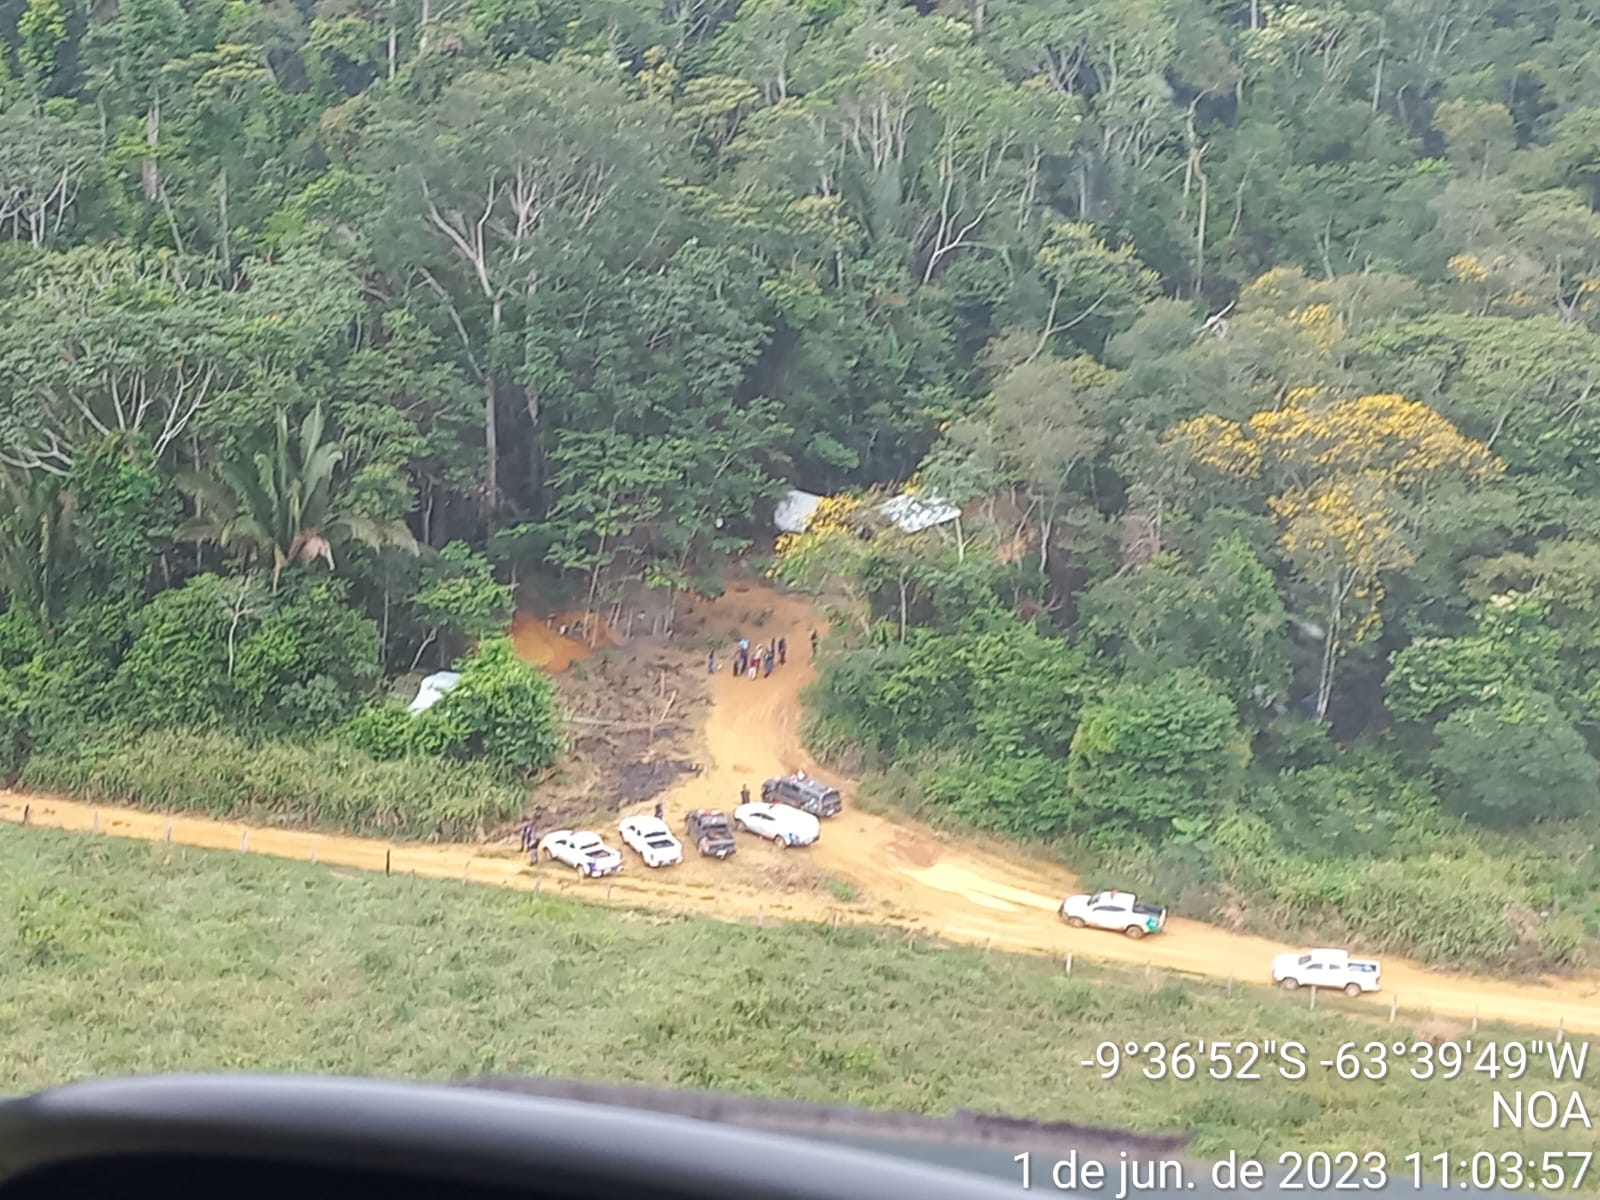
[
  {"x": 582, "y": 850},
  {"x": 778, "y": 823},
  {"x": 1326, "y": 968},
  {"x": 1120, "y": 911},
  {"x": 652, "y": 840},
  {"x": 710, "y": 832},
  {"x": 807, "y": 795}
]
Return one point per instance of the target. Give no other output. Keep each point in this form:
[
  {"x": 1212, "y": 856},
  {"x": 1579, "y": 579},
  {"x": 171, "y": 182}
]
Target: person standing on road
[
  {"x": 527, "y": 836},
  {"x": 813, "y": 643},
  {"x": 744, "y": 794},
  {"x": 755, "y": 665},
  {"x": 766, "y": 662},
  {"x": 659, "y": 810},
  {"x": 711, "y": 663},
  {"x": 783, "y": 651}
]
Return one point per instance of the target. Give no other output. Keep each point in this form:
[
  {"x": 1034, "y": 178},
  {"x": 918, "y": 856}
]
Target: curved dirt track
[{"x": 905, "y": 876}]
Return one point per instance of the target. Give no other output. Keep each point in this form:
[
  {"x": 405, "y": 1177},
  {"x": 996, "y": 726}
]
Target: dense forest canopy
[{"x": 1257, "y": 341}]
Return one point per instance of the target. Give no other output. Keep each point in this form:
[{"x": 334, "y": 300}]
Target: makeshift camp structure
[
  {"x": 911, "y": 514},
  {"x": 433, "y": 687}
]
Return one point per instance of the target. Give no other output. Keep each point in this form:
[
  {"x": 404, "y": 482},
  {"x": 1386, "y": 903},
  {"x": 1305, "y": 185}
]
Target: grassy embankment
[{"x": 136, "y": 958}]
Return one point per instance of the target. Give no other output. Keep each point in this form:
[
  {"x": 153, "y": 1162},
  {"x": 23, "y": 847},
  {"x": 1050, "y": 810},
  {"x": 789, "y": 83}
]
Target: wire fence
[{"x": 511, "y": 871}]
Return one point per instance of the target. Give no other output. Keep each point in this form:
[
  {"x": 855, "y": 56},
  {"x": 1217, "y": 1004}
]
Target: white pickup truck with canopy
[
  {"x": 1327, "y": 968},
  {"x": 1119, "y": 911}
]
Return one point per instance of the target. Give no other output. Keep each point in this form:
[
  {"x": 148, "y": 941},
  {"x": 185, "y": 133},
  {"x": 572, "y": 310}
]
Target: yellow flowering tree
[
  {"x": 831, "y": 554},
  {"x": 1346, "y": 477}
]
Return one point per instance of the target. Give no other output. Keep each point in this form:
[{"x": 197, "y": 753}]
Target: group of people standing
[{"x": 752, "y": 661}]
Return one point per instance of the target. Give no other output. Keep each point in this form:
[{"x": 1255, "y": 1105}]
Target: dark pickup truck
[
  {"x": 710, "y": 832},
  {"x": 807, "y": 795}
]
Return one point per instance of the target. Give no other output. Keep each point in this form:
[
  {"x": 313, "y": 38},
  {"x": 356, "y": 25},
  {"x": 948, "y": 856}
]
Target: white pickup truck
[
  {"x": 1327, "y": 969},
  {"x": 1120, "y": 911}
]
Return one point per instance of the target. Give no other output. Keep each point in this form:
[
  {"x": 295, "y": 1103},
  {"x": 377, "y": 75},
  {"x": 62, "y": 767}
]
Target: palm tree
[{"x": 286, "y": 500}]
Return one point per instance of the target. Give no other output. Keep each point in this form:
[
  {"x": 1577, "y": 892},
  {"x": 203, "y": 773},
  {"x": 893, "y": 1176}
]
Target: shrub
[
  {"x": 1516, "y": 761},
  {"x": 310, "y": 658},
  {"x": 325, "y": 784},
  {"x": 13, "y": 724},
  {"x": 502, "y": 710},
  {"x": 1152, "y": 753},
  {"x": 1562, "y": 941},
  {"x": 177, "y": 670},
  {"x": 382, "y": 730},
  {"x": 220, "y": 653}
]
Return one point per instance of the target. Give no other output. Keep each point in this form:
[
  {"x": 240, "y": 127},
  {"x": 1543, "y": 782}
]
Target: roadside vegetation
[
  {"x": 286, "y": 967},
  {"x": 1256, "y": 343}
]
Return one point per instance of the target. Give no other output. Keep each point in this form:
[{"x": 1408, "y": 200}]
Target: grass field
[{"x": 122, "y": 957}]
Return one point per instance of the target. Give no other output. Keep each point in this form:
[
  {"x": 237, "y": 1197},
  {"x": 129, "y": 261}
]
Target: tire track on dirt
[{"x": 969, "y": 890}]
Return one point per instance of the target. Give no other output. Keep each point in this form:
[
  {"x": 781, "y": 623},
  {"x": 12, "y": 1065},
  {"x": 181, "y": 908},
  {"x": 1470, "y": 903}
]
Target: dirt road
[{"x": 958, "y": 890}]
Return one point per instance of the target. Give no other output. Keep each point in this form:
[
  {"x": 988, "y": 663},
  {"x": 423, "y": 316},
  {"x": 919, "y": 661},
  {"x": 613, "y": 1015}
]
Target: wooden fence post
[
  {"x": 386, "y": 861},
  {"x": 1230, "y": 985},
  {"x": 1069, "y": 962},
  {"x": 313, "y": 849},
  {"x": 244, "y": 842},
  {"x": 97, "y": 820},
  {"x": 27, "y": 810},
  {"x": 1313, "y": 1004},
  {"x": 761, "y": 916},
  {"x": 169, "y": 831},
  {"x": 1394, "y": 1008}
]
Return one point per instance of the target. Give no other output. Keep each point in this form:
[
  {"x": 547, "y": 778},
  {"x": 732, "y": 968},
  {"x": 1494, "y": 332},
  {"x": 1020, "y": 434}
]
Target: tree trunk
[
  {"x": 393, "y": 35},
  {"x": 1330, "y": 646},
  {"x": 149, "y": 172},
  {"x": 222, "y": 212},
  {"x": 491, "y": 449}
]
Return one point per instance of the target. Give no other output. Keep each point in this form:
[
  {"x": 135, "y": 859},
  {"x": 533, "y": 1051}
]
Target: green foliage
[
  {"x": 124, "y": 509},
  {"x": 1151, "y": 755},
  {"x": 1225, "y": 618},
  {"x": 585, "y": 288},
  {"x": 309, "y": 660},
  {"x": 1515, "y": 761},
  {"x": 285, "y": 501},
  {"x": 293, "y": 784},
  {"x": 459, "y": 594},
  {"x": 178, "y": 670},
  {"x": 222, "y": 653},
  {"x": 502, "y": 710},
  {"x": 382, "y": 730},
  {"x": 14, "y": 735},
  {"x": 1433, "y": 676}
]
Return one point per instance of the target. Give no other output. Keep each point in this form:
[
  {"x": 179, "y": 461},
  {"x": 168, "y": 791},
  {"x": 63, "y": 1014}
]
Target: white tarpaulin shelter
[
  {"x": 911, "y": 514},
  {"x": 433, "y": 687},
  {"x": 794, "y": 511}
]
